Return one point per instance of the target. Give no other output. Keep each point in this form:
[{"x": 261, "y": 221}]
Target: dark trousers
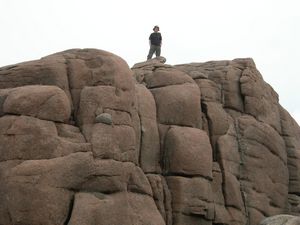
[{"x": 153, "y": 48}]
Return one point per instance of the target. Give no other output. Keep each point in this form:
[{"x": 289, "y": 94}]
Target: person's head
[{"x": 156, "y": 28}]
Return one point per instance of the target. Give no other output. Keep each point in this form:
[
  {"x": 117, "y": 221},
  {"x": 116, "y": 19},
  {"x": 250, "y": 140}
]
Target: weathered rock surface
[
  {"x": 84, "y": 140},
  {"x": 43, "y": 102},
  {"x": 281, "y": 220}
]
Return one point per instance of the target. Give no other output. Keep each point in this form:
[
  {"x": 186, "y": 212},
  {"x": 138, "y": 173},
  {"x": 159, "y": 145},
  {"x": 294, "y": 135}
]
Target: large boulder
[
  {"x": 95, "y": 100},
  {"x": 28, "y": 138},
  {"x": 281, "y": 220},
  {"x": 112, "y": 142},
  {"x": 125, "y": 208},
  {"x": 178, "y": 104},
  {"x": 52, "y": 183},
  {"x": 86, "y": 140},
  {"x": 191, "y": 200},
  {"x": 185, "y": 151},
  {"x": 162, "y": 196},
  {"x": 149, "y": 135},
  {"x": 43, "y": 102},
  {"x": 47, "y": 71}
]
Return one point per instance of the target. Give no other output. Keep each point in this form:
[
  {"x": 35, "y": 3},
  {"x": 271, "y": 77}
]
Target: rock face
[
  {"x": 281, "y": 220},
  {"x": 85, "y": 140}
]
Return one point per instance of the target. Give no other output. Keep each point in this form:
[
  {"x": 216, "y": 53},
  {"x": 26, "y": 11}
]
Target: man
[{"x": 155, "y": 43}]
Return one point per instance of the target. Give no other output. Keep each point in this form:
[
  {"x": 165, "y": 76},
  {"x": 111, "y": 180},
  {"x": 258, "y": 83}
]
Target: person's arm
[
  {"x": 160, "y": 40},
  {"x": 150, "y": 39}
]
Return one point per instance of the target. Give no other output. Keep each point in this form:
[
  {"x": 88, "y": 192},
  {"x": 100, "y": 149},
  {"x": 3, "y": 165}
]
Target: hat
[{"x": 156, "y": 27}]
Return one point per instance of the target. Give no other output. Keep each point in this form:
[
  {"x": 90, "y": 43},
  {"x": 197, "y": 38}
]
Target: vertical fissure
[
  {"x": 67, "y": 63},
  {"x": 71, "y": 206},
  {"x": 241, "y": 147},
  {"x": 167, "y": 204},
  {"x": 210, "y": 132},
  {"x": 141, "y": 139}
]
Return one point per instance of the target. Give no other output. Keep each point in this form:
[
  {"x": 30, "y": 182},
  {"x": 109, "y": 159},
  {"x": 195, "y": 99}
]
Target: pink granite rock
[
  {"x": 86, "y": 140},
  {"x": 43, "y": 102},
  {"x": 186, "y": 150}
]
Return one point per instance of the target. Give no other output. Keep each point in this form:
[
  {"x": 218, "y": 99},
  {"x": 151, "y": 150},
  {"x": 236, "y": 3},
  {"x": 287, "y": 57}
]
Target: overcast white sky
[{"x": 193, "y": 31}]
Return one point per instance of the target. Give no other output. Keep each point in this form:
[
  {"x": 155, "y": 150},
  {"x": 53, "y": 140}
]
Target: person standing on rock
[{"x": 155, "y": 41}]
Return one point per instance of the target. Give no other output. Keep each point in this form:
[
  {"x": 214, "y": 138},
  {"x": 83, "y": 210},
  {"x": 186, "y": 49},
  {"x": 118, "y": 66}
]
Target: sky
[{"x": 193, "y": 31}]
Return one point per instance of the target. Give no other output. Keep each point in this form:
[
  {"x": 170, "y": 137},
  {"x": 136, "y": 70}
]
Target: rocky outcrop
[
  {"x": 281, "y": 220},
  {"x": 86, "y": 140}
]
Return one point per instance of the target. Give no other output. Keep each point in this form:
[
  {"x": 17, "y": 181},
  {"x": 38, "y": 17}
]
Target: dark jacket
[{"x": 155, "y": 38}]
